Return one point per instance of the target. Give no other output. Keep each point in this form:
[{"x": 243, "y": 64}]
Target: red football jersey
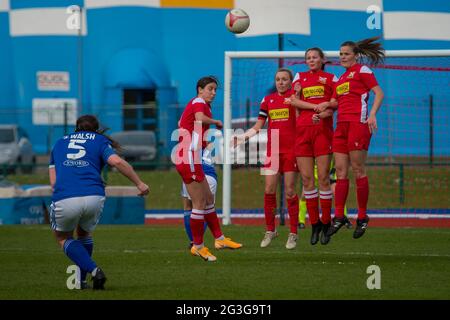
[
  {"x": 282, "y": 117},
  {"x": 352, "y": 93},
  {"x": 187, "y": 120},
  {"x": 317, "y": 87}
]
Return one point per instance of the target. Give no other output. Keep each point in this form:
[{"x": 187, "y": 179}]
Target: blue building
[{"x": 135, "y": 63}]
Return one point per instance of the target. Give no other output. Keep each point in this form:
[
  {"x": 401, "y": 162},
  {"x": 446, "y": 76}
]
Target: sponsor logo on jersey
[
  {"x": 343, "y": 88},
  {"x": 316, "y": 91},
  {"x": 278, "y": 114},
  {"x": 351, "y": 75},
  {"x": 76, "y": 163}
]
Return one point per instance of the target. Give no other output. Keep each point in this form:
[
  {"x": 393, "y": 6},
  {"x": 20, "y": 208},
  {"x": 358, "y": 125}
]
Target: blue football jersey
[
  {"x": 78, "y": 159},
  {"x": 208, "y": 165}
]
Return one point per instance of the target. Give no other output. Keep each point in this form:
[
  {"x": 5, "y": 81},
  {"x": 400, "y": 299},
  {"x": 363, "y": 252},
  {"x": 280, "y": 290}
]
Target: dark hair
[
  {"x": 286, "y": 70},
  {"x": 321, "y": 54},
  {"x": 368, "y": 48},
  {"x": 90, "y": 123},
  {"x": 203, "y": 82}
]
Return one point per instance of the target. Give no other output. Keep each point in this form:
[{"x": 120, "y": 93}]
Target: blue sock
[
  {"x": 187, "y": 224},
  {"x": 88, "y": 244},
  {"x": 77, "y": 253}
]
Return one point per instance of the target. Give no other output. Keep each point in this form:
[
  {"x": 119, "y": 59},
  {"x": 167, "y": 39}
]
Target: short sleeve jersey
[
  {"x": 281, "y": 116},
  {"x": 352, "y": 93},
  {"x": 78, "y": 159},
  {"x": 187, "y": 120},
  {"x": 317, "y": 87}
]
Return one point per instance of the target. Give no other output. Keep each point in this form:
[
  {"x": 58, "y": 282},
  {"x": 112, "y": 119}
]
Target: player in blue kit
[{"x": 78, "y": 197}]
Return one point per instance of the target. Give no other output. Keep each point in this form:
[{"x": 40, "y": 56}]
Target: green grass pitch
[{"x": 153, "y": 262}]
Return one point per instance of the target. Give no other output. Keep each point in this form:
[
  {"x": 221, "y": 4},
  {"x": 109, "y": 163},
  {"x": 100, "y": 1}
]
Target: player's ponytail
[
  {"x": 90, "y": 123},
  {"x": 369, "y": 48}
]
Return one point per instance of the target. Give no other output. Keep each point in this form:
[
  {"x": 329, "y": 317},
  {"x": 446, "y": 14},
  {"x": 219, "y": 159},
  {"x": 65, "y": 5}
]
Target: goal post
[{"x": 416, "y": 64}]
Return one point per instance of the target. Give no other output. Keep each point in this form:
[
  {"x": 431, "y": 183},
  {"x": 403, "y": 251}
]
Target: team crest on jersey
[
  {"x": 351, "y": 75},
  {"x": 323, "y": 80}
]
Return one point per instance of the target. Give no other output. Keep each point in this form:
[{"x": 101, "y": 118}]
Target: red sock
[
  {"x": 340, "y": 197},
  {"x": 312, "y": 204},
  {"x": 197, "y": 222},
  {"x": 213, "y": 222},
  {"x": 362, "y": 193},
  {"x": 293, "y": 213},
  {"x": 270, "y": 204},
  {"x": 326, "y": 198}
]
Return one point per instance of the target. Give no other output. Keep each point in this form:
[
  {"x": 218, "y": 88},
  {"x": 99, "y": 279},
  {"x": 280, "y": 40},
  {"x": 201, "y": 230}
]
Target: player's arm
[
  {"x": 322, "y": 115},
  {"x": 298, "y": 103},
  {"x": 255, "y": 129},
  {"x": 52, "y": 171},
  {"x": 237, "y": 140},
  {"x": 200, "y": 116},
  {"x": 295, "y": 100},
  {"x": 52, "y": 176},
  {"x": 372, "y": 120},
  {"x": 379, "y": 95},
  {"x": 127, "y": 170},
  {"x": 321, "y": 107}
]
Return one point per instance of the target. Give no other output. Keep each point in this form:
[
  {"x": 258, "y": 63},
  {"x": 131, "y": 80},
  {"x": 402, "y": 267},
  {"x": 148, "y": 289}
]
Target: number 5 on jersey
[{"x": 73, "y": 144}]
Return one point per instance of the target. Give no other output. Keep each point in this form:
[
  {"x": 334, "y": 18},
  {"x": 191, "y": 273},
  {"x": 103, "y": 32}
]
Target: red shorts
[
  {"x": 285, "y": 162},
  {"x": 190, "y": 167},
  {"x": 351, "y": 136},
  {"x": 190, "y": 173},
  {"x": 313, "y": 141}
]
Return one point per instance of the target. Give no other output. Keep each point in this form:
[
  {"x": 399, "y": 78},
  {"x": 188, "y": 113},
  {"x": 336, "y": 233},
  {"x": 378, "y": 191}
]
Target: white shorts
[
  {"x": 66, "y": 214},
  {"x": 212, "y": 186}
]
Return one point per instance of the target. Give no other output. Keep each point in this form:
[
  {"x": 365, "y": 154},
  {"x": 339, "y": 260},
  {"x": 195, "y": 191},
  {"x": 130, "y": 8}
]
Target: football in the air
[{"x": 237, "y": 21}]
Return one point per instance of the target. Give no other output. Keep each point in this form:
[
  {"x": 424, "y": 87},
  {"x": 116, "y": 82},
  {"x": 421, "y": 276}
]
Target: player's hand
[
  {"x": 321, "y": 107},
  {"x": 287, "y": 100},
  {"x": 143, "y": 189},
  {"x": 238, "y": 140},
  {"x": 316, "y": 118},
  {"x": 372, "y": 122},
  {"x": 219, "y": 124},
  {"x": 290, "y": 100},
  {"x": 297, "y": 88}
]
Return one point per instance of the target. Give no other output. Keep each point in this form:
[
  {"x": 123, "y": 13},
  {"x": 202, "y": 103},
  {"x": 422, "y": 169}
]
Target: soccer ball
[{"x": 237, "y": 21}]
